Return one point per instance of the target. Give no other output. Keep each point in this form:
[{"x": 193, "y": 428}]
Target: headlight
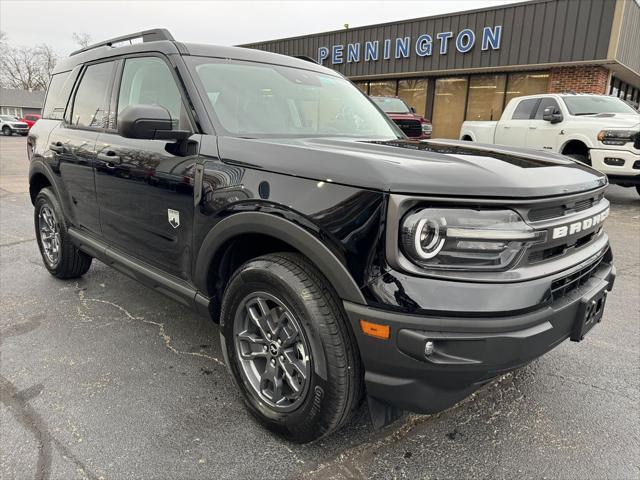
[
  {"x": 465, "y": 239},
  {"x": 616, "y": 137},
  {"x": 426, "y": 128}
]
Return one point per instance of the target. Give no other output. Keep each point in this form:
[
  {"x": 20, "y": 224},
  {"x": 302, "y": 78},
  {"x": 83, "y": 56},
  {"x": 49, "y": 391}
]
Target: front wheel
[
  {"x": 580, "y": 157},
  {"x": 6, "y": 131},
  {"x": 59, "y": 254},
  {"x": 289, "y": 347}
]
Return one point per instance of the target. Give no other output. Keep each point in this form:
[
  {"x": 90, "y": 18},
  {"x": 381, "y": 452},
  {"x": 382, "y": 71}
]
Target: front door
[
  {"x": 144, "y": 188},
  {"x": 543, "y": 135},
  {"x": 73, "y": 144}
]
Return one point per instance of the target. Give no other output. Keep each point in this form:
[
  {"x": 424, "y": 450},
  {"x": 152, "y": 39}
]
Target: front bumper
[
  {"x": 616, "y": 162},
  {"x": 468, "y": 350}
]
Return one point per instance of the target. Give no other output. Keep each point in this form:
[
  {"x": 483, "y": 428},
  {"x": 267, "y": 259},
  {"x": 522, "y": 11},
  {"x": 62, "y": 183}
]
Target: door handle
[
  {"x": 109, "y": 157},
  {"x": 533, "y": 128},
  {"x": 57, "y": 147},
  {"x": 506, "y": 127}
]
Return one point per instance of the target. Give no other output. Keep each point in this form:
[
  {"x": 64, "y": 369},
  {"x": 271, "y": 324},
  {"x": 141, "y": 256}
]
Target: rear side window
[
  {"x": 148, "y": 81},
  {"x": 544, "y": 103},
  {"x": 524, "y": 109},
  {"x": 91, "y": 99},
  {"x": 57, "y": 96}
]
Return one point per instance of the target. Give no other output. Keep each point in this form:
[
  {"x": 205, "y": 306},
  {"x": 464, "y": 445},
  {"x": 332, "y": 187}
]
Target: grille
[
  {"x": 565, "y": 285},
  {"x": 412, "y": 128},
  {"x": 538, "y": 214}
]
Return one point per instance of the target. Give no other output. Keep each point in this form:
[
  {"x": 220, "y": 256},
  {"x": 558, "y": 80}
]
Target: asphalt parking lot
[{"x": 103, "y": 378}]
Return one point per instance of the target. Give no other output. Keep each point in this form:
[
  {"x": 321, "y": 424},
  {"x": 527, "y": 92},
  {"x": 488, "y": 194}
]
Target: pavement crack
[
  {"x": 18, "y": 242},
  {"x": 590, "y": 385},
  {"x": 18, "y": 403},
  {"x": 84, "y": 300}
]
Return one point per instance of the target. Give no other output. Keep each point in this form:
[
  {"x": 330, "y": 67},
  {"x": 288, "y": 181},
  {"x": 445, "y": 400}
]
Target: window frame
[
  {"x": 117, "y": 85},
  {"x": 557, "y": 105},
  {"x": 71, "y": 103},
  {"x": 533, "y": 112}
]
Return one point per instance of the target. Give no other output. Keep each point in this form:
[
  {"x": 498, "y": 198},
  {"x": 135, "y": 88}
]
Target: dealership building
[{"x": 468, "y": 65}]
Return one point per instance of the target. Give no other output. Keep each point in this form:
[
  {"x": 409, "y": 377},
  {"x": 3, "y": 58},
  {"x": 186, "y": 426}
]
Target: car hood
[
  {"x": 441, "y": 167},
  {"x": 611, "y": 120}
]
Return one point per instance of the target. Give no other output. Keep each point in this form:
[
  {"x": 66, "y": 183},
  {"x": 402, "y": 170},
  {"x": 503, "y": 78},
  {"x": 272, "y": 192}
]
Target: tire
[
  {"x": 6, "y": 131},
  {"x": 59, "y": 255},
  {"x": 303, "y": 300},
  {"x": 580, "y": 157},
  {"x": 638, "y": 189}
]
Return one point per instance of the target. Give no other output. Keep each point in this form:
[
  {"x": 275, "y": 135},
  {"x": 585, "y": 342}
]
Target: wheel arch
[
  {"x": 575, "y": 145},
  {"x": 272, "y": 233}
]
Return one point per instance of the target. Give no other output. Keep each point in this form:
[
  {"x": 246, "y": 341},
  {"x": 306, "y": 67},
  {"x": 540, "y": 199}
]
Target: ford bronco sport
[{"x": 342, "y": 260}]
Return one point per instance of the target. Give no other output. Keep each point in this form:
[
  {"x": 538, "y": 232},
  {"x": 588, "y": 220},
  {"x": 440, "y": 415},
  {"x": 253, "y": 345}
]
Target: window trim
[
  {"x": 71, "y": 103},
  {"x": 117, "y": 85}
]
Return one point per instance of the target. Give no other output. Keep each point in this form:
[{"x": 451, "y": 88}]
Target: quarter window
[
  {"x": 524, "y": 109},
  {"x": 89, "y": 106},
  {"x": 148, "y": 81}
]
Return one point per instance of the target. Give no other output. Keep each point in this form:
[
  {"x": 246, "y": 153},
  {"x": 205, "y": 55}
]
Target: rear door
[
  {"x": 543, "y": 135},
  {"x": 73, "y": 143},
  {"x": 513, "y": 131},
  {"x": 145, "y": 187}
]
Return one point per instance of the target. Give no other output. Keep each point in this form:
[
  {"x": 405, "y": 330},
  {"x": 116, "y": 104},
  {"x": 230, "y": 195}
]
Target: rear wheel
[
  {"x": 289, "y": 348},
  {"x": 6, "y": 131},
  {"x": 60, "y": 256}
]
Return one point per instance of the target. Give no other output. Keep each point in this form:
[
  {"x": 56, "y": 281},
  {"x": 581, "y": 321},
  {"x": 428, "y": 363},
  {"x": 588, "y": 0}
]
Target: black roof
[{"x": 168, "y": 46}]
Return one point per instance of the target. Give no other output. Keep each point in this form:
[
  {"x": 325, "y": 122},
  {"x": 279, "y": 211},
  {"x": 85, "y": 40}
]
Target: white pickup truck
[{"x": 602, "y": 131}]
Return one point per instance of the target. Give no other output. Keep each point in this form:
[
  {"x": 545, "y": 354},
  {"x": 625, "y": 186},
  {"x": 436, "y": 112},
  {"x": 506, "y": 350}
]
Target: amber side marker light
[{"x": 375, "y": 330}]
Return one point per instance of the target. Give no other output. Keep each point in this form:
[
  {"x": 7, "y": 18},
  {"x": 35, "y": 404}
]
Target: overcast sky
[{"x": 28, "y": 22}]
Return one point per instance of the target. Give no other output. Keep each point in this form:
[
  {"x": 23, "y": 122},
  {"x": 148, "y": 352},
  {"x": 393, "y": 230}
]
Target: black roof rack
[{"x": 147, "y": 36}]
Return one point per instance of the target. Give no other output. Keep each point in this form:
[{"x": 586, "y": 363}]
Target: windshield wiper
[{"x": 586, "y": 113}]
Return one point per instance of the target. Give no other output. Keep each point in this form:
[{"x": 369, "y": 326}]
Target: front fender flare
[{"x": 303, "y": 241}]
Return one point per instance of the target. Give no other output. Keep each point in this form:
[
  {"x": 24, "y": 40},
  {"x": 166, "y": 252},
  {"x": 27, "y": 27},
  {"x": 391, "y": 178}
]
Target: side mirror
[
  {"x": 148, "y": 122},
  {"x": 552, "y": 114},
  {"x": 413, "y": 110}
]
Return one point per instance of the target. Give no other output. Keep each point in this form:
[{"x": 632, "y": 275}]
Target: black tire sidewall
[{"x": 303, "y": 423}]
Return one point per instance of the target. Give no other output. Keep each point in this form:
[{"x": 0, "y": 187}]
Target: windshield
[
  {"x": 391, "y": 105},
  {"x": 592, "y": 105},
  {"x": 256, "y": 100}
]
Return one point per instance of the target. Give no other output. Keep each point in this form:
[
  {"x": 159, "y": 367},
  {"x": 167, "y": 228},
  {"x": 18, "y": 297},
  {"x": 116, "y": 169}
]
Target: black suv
[{"x": 341, "y": 259}]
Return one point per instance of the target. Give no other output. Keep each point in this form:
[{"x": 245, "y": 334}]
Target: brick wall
[{"x": 580, "y": 79}]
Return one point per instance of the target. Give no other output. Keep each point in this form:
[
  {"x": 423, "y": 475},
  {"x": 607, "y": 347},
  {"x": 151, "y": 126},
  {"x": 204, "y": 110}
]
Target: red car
[
  {"x": 30, "y": 119},
  {"x": 412, "y": 124}
]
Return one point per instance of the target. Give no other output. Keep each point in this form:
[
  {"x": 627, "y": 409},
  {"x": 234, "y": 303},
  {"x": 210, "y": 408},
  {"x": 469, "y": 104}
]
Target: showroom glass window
[
  {"x": 383, "y": 88},
  {"x": 486, "y": 97},
  {"x": 521, "y": 84},
  {"x": 448, "y": 107},
  {"x": 414, "y": 93}
]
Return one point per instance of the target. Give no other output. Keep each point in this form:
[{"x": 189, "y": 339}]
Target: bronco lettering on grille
[{"x": 577, "y": 227}]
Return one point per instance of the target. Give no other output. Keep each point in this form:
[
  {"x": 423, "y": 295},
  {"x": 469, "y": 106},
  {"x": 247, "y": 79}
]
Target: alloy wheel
[
  {"x": 49, "y": 231},
  {"x": 272, "y": 351}
]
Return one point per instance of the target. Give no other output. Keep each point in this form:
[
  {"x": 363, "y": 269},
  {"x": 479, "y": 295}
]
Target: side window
[
  {"x": 524, "y": 109},
  {"x": 148, "y": 81},
  {"x": 57, "y": 95},
  {"x": 544, "y": 103},
  {"x": 90, "y": 106}
]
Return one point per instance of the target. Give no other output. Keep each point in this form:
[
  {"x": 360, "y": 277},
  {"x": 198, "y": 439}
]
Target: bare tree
[
  {"x": 24, "y": 68},
  {"x": 81, "y": 38}
]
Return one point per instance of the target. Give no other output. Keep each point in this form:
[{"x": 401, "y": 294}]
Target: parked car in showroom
[
  {"x": 598, "y": 130},
  {"x": 413, "y": 125},
  {"x": 30, "y": 119},
  {"x": 342, "y": 260},
  {"x": 10, "y": 125}
]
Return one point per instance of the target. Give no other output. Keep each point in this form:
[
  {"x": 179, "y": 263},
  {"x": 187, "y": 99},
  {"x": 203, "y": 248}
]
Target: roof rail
[
  {"x": 146, "y": 35},
  {"x": 306, "y": 58}
]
